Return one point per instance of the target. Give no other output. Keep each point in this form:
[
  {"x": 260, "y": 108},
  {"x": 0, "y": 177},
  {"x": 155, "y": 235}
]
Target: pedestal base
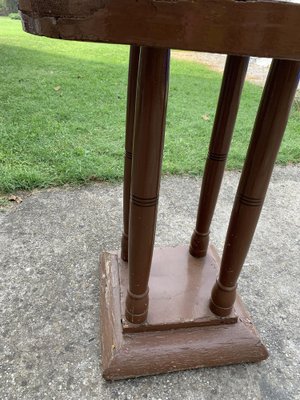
[{"x": 181, "y": 332}]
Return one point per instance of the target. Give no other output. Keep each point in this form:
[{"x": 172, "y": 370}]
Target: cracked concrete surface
[{"x": 49, "y": 330}]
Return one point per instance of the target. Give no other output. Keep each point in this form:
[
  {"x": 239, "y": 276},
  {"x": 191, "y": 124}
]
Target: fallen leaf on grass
[
  {"x": 57, "y": 88},
  {"x": 205, "y": 117},
  {"x": 94, "y": 178},
  {"x": 17, "y": 199}
]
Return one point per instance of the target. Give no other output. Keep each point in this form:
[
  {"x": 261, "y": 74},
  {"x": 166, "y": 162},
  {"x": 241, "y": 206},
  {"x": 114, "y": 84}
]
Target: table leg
[
  {"x": 131, "y": 97},
  {"x": 229, "y": 99},
  {"x": 268, "y": 131},
  {"x": 149, "y": 127}
]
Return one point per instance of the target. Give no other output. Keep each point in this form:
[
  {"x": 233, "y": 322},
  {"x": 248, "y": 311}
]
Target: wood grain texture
[
  {"x": 147, "y": 353},
  {"x": 257, "y": 28}
]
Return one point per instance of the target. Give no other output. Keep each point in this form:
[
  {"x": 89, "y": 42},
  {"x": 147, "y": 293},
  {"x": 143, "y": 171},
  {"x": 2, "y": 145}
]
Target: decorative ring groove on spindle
[
  {"x": 142, "y": 202},
  {"x": 201, "y": 235},
  {"x": 217, "y": 157},
  {"x": 128, "y": 155},
  {"x": 250, "y": 201},
  {"x": 136, "y": 315},
  {"x": 138, "y": 296},
  {"x": 226, "y": 288}
]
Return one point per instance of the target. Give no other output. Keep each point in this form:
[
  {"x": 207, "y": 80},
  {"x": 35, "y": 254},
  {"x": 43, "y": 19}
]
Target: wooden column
[
  {"x": 131, "y": 97},
  {"x": 268, "y": 130},
  {"x": 150, "y": 114},
  {"x": 229, "y": 99}
]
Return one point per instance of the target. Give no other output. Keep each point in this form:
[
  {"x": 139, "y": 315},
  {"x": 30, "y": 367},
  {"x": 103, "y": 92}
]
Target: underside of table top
[{"x": 256, "y": 28}]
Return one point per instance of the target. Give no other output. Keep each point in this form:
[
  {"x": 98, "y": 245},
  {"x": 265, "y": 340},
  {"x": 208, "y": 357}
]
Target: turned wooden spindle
[
  {"x": 149, "y": 127},
  {"x": 268, "y": 131},
  {"x": 131, "y": 96},
  {"x": 228, "y": 104}
]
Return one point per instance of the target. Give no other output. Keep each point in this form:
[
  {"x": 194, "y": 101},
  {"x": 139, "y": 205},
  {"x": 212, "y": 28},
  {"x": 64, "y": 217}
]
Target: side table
[{"x": 163, "y": 309}]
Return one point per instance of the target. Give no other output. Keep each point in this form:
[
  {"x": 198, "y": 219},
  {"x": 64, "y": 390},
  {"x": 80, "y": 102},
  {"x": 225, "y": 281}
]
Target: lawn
[{"x": 62, "y": 113}]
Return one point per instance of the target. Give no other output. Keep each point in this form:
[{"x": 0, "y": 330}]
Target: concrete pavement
[{"x": 49, "y": 292}]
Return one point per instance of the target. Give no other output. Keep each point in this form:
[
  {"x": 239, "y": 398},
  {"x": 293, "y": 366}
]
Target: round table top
[{"x": 257, "y": 28}]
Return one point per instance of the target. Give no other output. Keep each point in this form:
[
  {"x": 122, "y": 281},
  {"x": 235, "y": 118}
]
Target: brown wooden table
[{"x": 191, "y": 320}]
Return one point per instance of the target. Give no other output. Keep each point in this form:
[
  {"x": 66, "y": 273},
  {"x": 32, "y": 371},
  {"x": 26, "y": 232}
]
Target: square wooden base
[{"x": 181, "y": 332}]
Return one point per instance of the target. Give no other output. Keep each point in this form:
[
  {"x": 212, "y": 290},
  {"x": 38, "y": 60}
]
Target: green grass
[{"x": 62, "y": 113}]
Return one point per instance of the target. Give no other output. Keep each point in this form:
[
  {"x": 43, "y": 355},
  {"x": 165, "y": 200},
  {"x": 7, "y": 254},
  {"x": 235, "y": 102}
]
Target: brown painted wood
[
  {"x": 228, "y": 104},
  {"x": 179, "y": 287},
  {"x": 131, "y": 96},
  {"x": 268, "y": 131},
  {"x": 241, "y": 28},
  {"x": 126, "y": 355},
  {"x": 260, "y": 28},
  {"x": 149, "y": 129}
]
